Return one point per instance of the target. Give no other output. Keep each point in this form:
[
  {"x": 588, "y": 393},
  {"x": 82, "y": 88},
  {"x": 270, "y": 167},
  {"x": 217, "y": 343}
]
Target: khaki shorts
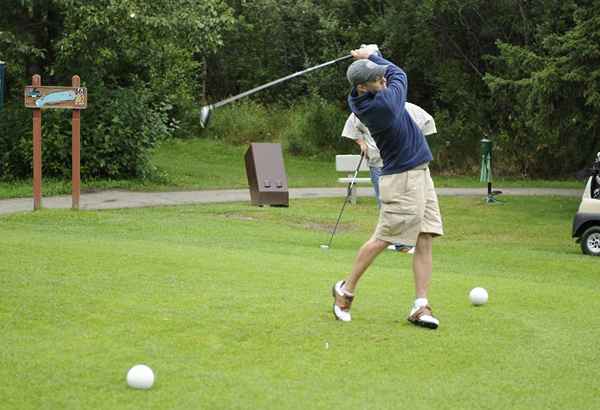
[{"x": 409, "y": 206}]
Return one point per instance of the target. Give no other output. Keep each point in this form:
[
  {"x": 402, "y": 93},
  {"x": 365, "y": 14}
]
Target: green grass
[
  {"x": 204, "y": 164},
  {"x": 230, "y": 305}
]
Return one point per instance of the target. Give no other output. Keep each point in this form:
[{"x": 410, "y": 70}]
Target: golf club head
[
  {"x": 205, "y": 114},
  {"x": 325, "y": 247}
]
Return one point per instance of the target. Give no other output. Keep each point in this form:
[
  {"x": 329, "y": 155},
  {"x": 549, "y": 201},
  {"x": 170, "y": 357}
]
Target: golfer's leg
[
  {"x": 366, "y": 254},
  {"x": 422, "y": 262}
]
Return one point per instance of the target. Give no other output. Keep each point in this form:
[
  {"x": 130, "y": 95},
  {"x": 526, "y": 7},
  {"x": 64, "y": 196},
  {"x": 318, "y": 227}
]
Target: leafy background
[{"x": 523, "y": 73}]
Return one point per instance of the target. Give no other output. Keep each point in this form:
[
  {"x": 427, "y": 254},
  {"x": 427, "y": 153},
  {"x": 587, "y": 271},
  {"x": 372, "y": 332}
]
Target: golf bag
[
  {"x": 595, "y": 185},
  {"x": 593, "y": 173}
]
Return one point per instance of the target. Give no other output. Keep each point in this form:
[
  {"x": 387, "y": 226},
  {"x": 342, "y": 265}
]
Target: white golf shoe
[
  {"x": 423, "y": 316},
  {"x": 342, "y": 302}
]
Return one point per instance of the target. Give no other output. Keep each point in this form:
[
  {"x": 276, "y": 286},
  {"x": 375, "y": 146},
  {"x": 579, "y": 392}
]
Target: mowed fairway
[{"x": 230, "y": 305}]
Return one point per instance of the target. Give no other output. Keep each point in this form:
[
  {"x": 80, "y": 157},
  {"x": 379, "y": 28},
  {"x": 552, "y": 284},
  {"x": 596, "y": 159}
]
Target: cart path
[{"x": 115, "y": 199}]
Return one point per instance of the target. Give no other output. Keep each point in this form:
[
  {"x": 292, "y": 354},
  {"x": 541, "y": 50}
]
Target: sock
[
  {"x": 346, "y": 290},
  {"x": 420, "y": 302}
]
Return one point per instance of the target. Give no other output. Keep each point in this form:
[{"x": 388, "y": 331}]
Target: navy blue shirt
[{"x": 400, "y": 142}]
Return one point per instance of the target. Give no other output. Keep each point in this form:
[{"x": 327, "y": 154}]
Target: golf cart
[{"x": 586, "y": 224}]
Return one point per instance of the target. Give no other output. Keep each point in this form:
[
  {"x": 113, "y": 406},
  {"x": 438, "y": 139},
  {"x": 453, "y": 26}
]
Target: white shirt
[{"x": 355, "y": 129}]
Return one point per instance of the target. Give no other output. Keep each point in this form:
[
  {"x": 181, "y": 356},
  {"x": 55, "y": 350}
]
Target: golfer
[
  {"x": 409, "y": 208},
  {"x": 356, "y": 131}
]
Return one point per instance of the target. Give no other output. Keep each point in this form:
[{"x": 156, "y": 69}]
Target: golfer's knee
[
  {"x": 424, "y": 241},
  {"x": 375, "y": 245}
]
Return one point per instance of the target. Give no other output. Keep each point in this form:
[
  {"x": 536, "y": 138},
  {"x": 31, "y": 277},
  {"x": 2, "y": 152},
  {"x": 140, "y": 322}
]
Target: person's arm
[
  {"x": 352, "y": 130},
  {"x": 363, "y": 146},
  {"x": 397, "y": 82},
  {"x": 394, "y": 96}
]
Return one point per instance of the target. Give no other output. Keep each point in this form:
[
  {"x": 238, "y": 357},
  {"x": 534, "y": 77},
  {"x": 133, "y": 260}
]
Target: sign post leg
[
  {"x": 37, "y": 150},
  {"x": 75, "y": 152}
]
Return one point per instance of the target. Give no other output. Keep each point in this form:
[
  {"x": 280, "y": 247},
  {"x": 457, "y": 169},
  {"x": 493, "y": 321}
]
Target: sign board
[{"x": 73, "y": 98}]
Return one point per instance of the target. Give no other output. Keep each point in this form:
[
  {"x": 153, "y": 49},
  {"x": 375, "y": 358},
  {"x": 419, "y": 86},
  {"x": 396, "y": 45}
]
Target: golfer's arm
[{"x": 397, "y": 83}]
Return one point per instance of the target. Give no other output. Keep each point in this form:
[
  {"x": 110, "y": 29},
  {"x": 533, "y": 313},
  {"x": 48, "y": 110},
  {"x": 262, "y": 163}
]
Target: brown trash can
[{"x": 267, "y": 179}]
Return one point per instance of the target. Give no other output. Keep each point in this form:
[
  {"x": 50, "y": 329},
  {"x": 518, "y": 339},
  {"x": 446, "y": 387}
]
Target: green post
[
  {"x": 2, "y": 69},
  {"x": 486, "y": 161},
  {"x": 486, "y": 169}
]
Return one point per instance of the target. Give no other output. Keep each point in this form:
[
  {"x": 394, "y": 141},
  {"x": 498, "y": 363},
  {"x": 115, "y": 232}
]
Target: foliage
[
  {"x": 121, "y": 130},
  {"x": 273, "y": 39},
  {"x": 15, "y": 145},
  {"x": 551, "y": 95},
  {"x": 151, "y": 45},
  {"x": 314, "y": 129},
  {"x": 523, "y": 73},
  {"x": 247, "y": 121},
  {"x": 312, "y": 126},
  {"x": 145, "y": 54}
]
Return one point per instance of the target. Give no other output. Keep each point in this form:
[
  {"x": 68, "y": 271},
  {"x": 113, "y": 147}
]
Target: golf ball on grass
[
  {"x": 140, "y": 376},
  {"x": 478, "y": 296}
]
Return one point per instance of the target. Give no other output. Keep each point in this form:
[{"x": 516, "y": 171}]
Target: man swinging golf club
[
  {"x": 409, "y": 208},
  {"x": 356, "y": 131}
]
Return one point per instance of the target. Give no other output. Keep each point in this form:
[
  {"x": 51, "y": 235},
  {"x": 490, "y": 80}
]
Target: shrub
[
  {"x": 314, "y": 128},
  {"x": 15, "y": 141},
  {"x": 311, "y": 127},
  {"x": 124, "y": 128},
  {"x": 246, "y": 122},
  {"x": 455, "y": 147},
  {"x": 118, "y": 132}
]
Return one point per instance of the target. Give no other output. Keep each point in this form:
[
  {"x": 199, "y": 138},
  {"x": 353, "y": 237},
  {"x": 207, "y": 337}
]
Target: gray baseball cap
[{"x": 362, "y": 71}]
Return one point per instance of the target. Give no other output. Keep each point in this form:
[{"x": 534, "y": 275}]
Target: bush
[
  {"x": 455, "y": 147},
  {"x": 124, "y": 129},
  {"x": 118, "y": 132},
  {"x": 15, "y": 141},
  {"x": 314, "y": 128},
  {"x": 311, "y": 127},
  {"x": 246, "y": 122}
]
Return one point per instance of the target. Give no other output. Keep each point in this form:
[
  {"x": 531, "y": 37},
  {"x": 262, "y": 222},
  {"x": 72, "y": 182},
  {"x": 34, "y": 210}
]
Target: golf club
[
  {"x": 350, "y": 185},
  {"x": 206, "y": 111}
]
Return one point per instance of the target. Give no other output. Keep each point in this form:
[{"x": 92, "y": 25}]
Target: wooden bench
[{"x": 348, "y": 163}]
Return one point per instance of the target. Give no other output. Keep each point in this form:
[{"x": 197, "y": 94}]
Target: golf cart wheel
[{"x": 590, "y": 241}]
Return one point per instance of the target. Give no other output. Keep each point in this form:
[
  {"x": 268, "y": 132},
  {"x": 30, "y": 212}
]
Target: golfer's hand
[
  {"x": 373, "y": 47},
  {"x": 362, "y": 53}
]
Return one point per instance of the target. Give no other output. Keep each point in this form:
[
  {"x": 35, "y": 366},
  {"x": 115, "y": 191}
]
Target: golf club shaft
[
  {"x": 272, "y": 83},
  {"x": 350, "y": 185}
]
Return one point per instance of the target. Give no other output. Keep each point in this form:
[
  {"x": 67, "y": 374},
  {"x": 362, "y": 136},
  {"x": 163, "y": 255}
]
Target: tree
[
  {"x": 144, "y": 55},
  {"x": 548, "y": 93}
]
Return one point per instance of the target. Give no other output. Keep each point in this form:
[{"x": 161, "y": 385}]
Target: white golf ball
[
  {"x": 140, "y": 376},
  {"x": 478, "y": 296}
]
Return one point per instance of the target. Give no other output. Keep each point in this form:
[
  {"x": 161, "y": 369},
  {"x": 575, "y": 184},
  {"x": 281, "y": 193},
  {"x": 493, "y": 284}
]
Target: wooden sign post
[{"x": 71, "y": 98}]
